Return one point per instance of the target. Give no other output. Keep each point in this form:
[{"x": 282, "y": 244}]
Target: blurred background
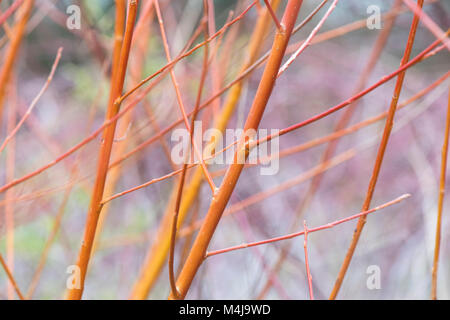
[{"x": 399, "y": 239}]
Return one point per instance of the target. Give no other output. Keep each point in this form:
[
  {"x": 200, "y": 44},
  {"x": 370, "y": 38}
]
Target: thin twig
[
  {"x": 296, "y": 234},
  {"x": 179, "y": 98},
  {"x": 295, "y": 149},
  {"x": 428, "y": 22},
  {"x": 11, "y": 278},
  {"x": 308, "y": 271},
  {"x": 8, "y": 12},
  {"x": 34, "y": 102},
  {"x": 12, "y": 51},
  {"x": 326, "y": 36},
  {"x": 380, "y": 156},
  {"x": 273, "y": 15},
  {"x": 188, "y": 53},
  {"x": 173, "y": 236},
  {"x": 343, "y": 121},
  {"x": 157, "y": 252},
  {"x": 440, "y": 204},
  {"x": 308, "y": 40}
]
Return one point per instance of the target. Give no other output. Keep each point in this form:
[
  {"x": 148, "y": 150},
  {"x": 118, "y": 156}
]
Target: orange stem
[
  {"x": 380, "y": 156},
  {"x": 104, "y": 155},
  {"x": 223, "y": 195},
  {"x": 440, "y": 204}
]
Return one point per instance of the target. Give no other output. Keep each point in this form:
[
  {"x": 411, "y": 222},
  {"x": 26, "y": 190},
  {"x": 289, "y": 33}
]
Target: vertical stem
[
  {"x": 331, "y": 147},
  {"x": 158, "y": 251},
  {"x": 173, "y": 235},
  {"x": 104, "y": 154},
  {"x": 119, "y": 27},
  {"x": 380, "y": 156},
  {"x": 308, "y": 271},
  {"x": 440, "y": 205},
  {"x": 178, "y": 95},
  {"x": 221, "y": 198},
  {"x": 13, "y": 49}
]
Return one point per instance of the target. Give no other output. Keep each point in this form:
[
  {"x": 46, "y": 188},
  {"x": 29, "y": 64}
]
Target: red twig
[
  {"x": 274, "y": 16},
  {"x": 293, "y": 235},
  {"x": 428, "y": 22},
  {"x": 34, "y": 102},
  {"x": 379, "y": 157},
  {"x": 180, "y": 100},
  {"x": 11, "y": 278},
  {"x": 308, "y": 271},
  {"x": 183, "y": 173},
  {"x": 357, "y": 96},
  {"x": 424, "y": 54},
  {"x": 188, "y": 53},
  {"x": 8, "y": 12}
]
